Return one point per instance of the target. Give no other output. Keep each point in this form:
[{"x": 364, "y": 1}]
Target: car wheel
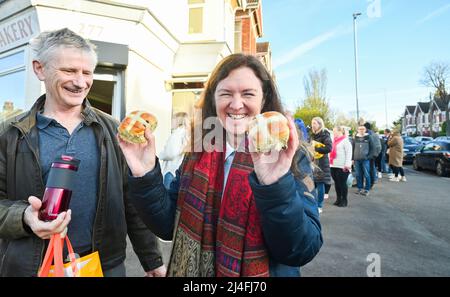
[
  {"x": 440, "y": 169},
  {"x": 415, "y": 165}
]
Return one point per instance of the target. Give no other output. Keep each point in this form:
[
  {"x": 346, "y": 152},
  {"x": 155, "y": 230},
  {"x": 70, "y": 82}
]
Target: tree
[
  {"x": 344, "y": 120},
  {"x": 435, "y": 75},
  {"x": 397, "y": 125},
  {"x": 315, "y": 103},
  {"x": 443, "y": 129}
]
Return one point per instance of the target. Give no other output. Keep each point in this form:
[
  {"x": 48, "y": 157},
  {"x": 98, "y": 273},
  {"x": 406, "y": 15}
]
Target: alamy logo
[{"x": 374, "y": 268}]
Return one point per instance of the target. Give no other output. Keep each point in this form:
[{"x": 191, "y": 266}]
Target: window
[
  {"x": 12, "y": 84},
  {"x": 196, "y": 16}
]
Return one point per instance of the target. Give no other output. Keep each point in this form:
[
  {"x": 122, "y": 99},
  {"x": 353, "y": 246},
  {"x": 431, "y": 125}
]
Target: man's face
[
  {"x": 68, "y": 76},
  {"x": 361, "y": 130}
]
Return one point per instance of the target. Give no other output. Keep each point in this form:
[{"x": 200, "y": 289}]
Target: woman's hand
[
  {"x": 141, "y": 157},
  {"x": 270, "y": 167}
]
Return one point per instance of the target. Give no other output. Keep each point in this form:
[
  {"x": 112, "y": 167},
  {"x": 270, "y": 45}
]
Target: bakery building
[{"x": 153, "y": 55}]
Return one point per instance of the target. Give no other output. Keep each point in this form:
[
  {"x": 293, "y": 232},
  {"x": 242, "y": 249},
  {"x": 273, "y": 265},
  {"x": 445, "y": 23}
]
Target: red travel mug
[{"x": 58, "y": 190}]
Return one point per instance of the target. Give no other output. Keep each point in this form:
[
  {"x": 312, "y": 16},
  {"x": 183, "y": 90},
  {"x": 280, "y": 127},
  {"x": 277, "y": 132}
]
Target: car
[
  {"x": 410, "y": 148},
  {"x": 423, "y": 139},
  {"x": 444, "y": 138},
  {"x": 434, "y": 156}
]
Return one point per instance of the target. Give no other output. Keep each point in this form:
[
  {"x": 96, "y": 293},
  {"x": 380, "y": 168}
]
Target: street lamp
[{"x": 355, "y": 15}]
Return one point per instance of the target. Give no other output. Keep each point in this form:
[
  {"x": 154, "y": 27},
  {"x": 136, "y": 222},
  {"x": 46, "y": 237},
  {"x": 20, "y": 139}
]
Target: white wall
[{"x": 145, "y": 91}]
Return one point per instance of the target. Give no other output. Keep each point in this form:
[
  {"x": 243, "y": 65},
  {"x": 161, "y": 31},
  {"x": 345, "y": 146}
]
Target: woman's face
[
  {"x": 315, "y": 125},
  {"x": 337, "y": 133},
  {"x": 238, "y": 98}
]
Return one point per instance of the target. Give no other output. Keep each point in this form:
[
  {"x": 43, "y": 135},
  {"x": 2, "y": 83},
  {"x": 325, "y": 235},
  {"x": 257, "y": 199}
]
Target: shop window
[{"x": 12, "y": 84}]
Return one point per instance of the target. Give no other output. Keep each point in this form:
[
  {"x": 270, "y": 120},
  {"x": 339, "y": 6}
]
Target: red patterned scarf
[{"x": 214, "y": 237}]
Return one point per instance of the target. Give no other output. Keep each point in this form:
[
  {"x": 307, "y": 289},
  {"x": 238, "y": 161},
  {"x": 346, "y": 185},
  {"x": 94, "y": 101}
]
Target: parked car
[
  {"x": 442, "y": 138},
  {"x": 434, "y": 156},
  {"x": 424, "y": 139},
  {"x": 410, "y": 148}
]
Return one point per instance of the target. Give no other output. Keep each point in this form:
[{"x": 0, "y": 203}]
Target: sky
[{"x": 396, "y": 39}]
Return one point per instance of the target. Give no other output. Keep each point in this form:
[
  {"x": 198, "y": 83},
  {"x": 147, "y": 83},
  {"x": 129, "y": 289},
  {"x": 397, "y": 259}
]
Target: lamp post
[{"x": 355, "y": 16}]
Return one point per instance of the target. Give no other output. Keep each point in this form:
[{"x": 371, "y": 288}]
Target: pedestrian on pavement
[
  {"x": 231, "y": 212},
  {"x": 62, "y": 122},
  {"x": 395, "y": 144},
  {"x": 362, "y": 144},
  {"x": 374, "y": 152},
  {"x": 322, "y": 145},
  {"x": 341, "y": 164},
  {"x": 171, "y": 156},
  {"x": 387, "y": 136},
  {"x": 381, "y": 158}
]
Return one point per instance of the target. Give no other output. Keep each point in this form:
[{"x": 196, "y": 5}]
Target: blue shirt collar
[{"x": 42, "y": 121}]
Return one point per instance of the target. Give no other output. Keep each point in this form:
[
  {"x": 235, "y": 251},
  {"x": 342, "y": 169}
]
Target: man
[
  {"x": 63, "y": 122},
  {"x": 375, "y": 150},
  {"x": 361, "y": 156}
]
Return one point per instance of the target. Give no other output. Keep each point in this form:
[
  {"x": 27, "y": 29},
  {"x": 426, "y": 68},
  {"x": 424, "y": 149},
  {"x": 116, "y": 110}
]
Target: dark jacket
[
  {"x": 290, "y": 219},
  {"x": 21, "y": 251},
  {"x": 362, "y": 147},
  {"x": 376, "y": 148},
  {"x": 322, "y": 174}
]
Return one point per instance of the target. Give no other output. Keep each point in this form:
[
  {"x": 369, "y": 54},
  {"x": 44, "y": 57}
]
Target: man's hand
[
  {"x": 158, "y": 272},
  {"x": 44, "y": 229}
]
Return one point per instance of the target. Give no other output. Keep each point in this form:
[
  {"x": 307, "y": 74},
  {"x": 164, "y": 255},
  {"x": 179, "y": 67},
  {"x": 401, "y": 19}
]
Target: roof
[
  {"x": 424, "y": 106},
  {"x": 442, "y": 102},
  {"x": 410, "y": 108}
]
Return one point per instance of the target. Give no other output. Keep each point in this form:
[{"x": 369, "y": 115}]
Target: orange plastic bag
[{"x": 87, "y": 266}]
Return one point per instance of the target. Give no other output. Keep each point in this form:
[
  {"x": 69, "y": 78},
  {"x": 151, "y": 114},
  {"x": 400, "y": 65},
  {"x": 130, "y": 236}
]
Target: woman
[
  {"x": 222, "y": 201},
  {"x": 341, "y": 164},
  {"x": 322, "y": 146},
  {"x": 395, "y": 145}
]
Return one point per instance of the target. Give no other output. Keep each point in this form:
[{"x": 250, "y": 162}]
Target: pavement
[{"x": 400, "y": 229}]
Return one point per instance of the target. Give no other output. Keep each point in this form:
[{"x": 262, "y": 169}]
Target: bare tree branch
[{"x": 436, "y": 75}]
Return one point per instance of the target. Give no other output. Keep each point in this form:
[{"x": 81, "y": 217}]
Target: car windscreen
[{"x": 409, "y": 140}]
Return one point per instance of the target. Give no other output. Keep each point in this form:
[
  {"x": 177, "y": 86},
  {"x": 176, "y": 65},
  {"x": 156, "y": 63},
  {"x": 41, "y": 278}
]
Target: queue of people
[{"x": 229, "y": 211}]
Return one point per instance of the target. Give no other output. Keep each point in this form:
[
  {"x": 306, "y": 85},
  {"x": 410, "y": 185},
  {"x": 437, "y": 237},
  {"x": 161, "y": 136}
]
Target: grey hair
[{"x": 45, "y": 43}]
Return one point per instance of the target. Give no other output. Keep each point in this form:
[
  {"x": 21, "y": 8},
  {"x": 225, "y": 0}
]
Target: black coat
[{"x": 323, "y": 173}]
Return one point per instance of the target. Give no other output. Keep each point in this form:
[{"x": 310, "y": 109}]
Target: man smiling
[{"x": 62, "y": 122}]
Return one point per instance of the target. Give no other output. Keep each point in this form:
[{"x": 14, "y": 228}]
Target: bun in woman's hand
[{"x": 269, "y": 131}]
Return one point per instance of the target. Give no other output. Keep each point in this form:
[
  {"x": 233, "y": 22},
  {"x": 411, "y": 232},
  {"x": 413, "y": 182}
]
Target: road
[{"x": 400, "y": 229}]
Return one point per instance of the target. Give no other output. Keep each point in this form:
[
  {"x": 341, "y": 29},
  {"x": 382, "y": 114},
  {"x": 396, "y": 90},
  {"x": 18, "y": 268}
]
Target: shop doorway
[{"x": 107, "y": 91}]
